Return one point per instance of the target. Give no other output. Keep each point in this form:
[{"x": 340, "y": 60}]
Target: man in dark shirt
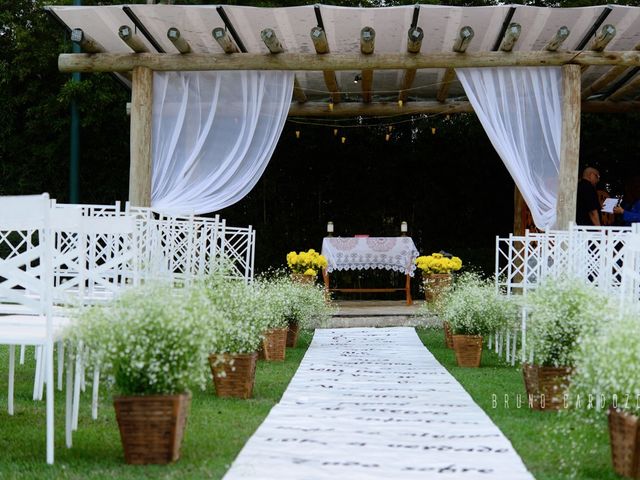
[{"x": 588, "y": 206}]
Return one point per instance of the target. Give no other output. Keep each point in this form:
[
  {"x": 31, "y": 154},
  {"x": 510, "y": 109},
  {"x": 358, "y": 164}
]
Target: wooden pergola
[{"x": 365, "y": 62}]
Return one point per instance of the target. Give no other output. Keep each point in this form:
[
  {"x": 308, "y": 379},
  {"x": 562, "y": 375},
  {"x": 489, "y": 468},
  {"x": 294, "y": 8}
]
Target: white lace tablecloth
[{"x": 389, "y": 253}]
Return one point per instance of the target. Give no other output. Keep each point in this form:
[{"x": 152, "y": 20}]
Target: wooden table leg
[{"x": 408, "y": 290}]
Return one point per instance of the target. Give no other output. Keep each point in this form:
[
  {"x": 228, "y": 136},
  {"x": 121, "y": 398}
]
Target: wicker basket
[
  {"x": 468, "y": 350},
  {"x": 292, "y": 334},
  {"x": 301, "y": 278},
  {"x": 233, "y": 374},
  {"x": 624, "y": 432},
  {"x": 448, "y": 335},
  {"x": 274, "y": 344},
  {"x": 151, "y": 427},
  {"x": 546, "y": 386},
  {"x": 434, "y": 284}
]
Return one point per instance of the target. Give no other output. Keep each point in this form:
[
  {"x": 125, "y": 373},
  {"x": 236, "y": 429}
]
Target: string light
[
  {"x": 390, "y": 128},
  {"x": 331, "y": 106},
  {"x": 433, "y": 130},
  {"x": 343, "y": 139},
  {"x": 335, "y": 132},
  {"x": 297, "y": 133},
  {"x": 400, "y": 103},
  {"x": 387, "y": 137}
]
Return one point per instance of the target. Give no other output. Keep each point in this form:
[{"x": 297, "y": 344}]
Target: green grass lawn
[
  {"x": 217, "y": 429},
  {"x": 553, "y": 446}
]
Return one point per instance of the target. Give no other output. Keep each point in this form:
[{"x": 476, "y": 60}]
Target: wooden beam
[
  {"x": 556, "y": 42},
  {"x": 180, "y": 43},
  {"x": 387, "y": 109},
  {"x": 460, "y": 46},
  {"x": 414, "y": 44},
  {"x": 367, "y": 45},
  {"x": 122, "y": 62},
  {"x": 319, "y": 39},
  {"x": 607, "y": 32},
  {"x": 86, "y": 42},
  {"x": 627, "y": 89},
  {"x": 605, "y": 79},
  {"x": 510, "y": 37},
  {"x": 569, "y": 147},
  {"x": 141, "y": 118},
  {"x": 270, "y": 39},
  {"x": 298, "y": 93},
  {"x": 134, "y": 41},
  {"x": 224, "y": 40}
]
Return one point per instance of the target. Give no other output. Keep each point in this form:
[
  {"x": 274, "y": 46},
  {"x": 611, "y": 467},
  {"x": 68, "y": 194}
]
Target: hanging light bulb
[
  {"x": 433, "y": 130},
  {"x": 331, "y": 106},
  {"x": 335, "y": 132},
  {"x": 400, "y": 103},
  {"x": 343, "y": 139},
  {"x": 387, "y": 137},
  {"x": 297, "y": 133},
  {"x": 447, "y": 117},
  {"x": 390, "y": 128}
]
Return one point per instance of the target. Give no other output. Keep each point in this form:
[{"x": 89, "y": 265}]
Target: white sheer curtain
[
  {"x": 520, "y": 109},
  {"x": 213, "y": 135}
]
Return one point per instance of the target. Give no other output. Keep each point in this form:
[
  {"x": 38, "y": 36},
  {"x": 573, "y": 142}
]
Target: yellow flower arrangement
[
  {"x": 307, "y": 263},
  {"x": 438, "y": 263}
]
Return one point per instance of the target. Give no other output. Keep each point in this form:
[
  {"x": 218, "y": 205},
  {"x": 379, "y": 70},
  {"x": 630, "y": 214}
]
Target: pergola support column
[
  {"x": 569, "y": 147},
  {"x": 141, "y": 105}
]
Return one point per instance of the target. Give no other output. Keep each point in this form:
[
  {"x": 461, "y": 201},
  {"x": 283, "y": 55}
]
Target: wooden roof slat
[
  {"x": 224, "y": 40},
  {"x": 134, "y": 42},
  {"x": 178, "y": 41},
  {"x": 319, "y": 39},
  {"x": 632, "y": 87},
  {"x": 414, "y": 44},
  {"x": 510, "y": 37},
  {"x": 85, "y": 42},
  {"x": 606, "y": 34},
  {"x": 558, "y": 39},
  {"x": 270, "y": 39},
  {"x": 367, "y": 46},
  {"x": 460, "y": 46}
]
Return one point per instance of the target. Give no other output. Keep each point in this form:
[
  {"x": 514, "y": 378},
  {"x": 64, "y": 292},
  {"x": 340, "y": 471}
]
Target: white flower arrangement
[
  {"x": 560, "y": 312},
  {"x": 475, "y": 307},
  {"x": 305, "y": 303},
  {"x": 606, "y": 366},
  {"x": 150, "y": 340},
  {"x": 243, "y": 318}
]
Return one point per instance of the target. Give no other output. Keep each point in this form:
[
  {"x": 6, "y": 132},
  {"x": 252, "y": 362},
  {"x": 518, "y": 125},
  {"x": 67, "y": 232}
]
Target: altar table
[{"x": 363, "y": 253}]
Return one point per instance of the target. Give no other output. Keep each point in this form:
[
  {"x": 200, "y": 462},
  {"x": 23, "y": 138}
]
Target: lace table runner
[{"x": 389, "y": 253}]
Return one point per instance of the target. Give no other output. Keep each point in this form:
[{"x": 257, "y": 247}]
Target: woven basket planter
[
  {"x": 301, "y": 278},
  {"x": 468, "y": 349},
  {"x": 151, "y": 427},
  {"x": 274, "y": 344},
  {"x": 624, "y": 433},
  {"x": 546, "y": 386},
  {"x": 292, "y": 334},
  {"x": 448, "y": 335},
  {"x": 434, "y": 284},
  {"x": 233, "y": 374}
]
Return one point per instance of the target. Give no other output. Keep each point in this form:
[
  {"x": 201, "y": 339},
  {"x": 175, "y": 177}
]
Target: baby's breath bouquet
[
  {"x": 152, "y": 340},
  {"x": 304, "y": 303},
  {"x": 475, "y": 307},
  {"x": 243, "y": 319},
  {"x": 272, "y": 296},
  {"x": 306, "y": 263},
  {"x": 438, "y": 263},
  {"x": 561, "y": 311}
]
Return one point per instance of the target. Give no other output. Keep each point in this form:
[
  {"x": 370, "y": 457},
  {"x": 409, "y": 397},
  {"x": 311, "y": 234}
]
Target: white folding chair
[{"x": 26, "y": 284}]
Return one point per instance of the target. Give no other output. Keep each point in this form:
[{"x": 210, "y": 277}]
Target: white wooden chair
[{"x": 26, "y": 284}]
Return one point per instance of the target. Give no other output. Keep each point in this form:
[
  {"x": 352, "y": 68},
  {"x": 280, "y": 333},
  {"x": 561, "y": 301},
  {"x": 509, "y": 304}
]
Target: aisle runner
[{"x": 374, "y": 403}]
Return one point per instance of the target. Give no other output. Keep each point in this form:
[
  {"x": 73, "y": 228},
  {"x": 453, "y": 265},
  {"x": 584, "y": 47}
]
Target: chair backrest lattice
[{"x": 26, "y": 250}]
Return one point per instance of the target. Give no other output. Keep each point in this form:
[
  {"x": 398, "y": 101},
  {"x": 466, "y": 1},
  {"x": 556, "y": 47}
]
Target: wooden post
[
  {"x": 140, "y": 170},
  {"x": 569, "y": 147}
]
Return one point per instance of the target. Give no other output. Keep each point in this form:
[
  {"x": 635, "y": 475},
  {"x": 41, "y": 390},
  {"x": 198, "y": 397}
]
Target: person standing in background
[
  {"x": 630, "y": 207},
  {"x": 588, "y": 205}
]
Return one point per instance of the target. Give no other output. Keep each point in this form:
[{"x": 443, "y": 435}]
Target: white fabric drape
[
  {"x": 213, "y": 136},
  {"x": 520, "y": 109}
]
